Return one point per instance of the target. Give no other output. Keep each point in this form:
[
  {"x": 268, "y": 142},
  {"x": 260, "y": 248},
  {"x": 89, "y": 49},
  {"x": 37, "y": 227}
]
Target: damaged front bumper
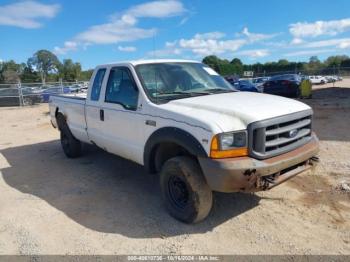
[{"x": 247, "y": 174}]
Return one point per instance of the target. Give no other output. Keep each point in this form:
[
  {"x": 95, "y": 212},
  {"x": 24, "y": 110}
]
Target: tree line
[
  {"x": 331, "y": 65},
  {"x": 43, "y": 66}
]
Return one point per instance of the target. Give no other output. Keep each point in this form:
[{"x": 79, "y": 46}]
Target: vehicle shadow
[{"x": 106, "y": 193}]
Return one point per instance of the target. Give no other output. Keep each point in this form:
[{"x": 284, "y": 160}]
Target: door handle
[{"x": 102, "y": 115}]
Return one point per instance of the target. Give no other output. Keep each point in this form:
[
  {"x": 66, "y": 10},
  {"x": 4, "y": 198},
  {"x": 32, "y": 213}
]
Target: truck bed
[
  {"x": 79, "y": 96},
  {"x": 72, "y": 106}
]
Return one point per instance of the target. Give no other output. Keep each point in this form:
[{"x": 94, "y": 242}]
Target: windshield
[{"x": 169, "y": 81}]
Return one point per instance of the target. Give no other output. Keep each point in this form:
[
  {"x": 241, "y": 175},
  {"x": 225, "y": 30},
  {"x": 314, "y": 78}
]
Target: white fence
[{"x": 22, "y": 94}]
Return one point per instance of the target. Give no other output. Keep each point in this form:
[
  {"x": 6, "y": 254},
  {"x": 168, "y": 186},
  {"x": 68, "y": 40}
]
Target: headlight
[
  {"x": 233, "y": 140},
  {"x": 231, "y": 144}
]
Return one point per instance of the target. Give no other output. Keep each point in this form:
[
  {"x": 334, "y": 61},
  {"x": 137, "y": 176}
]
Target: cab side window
[
  {"x": 96, "y": 86},
  {"x": 121, "y": 88}
]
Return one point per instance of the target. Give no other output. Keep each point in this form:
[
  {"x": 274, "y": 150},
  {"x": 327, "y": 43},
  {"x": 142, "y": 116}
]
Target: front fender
[{"x": 171, "y": 135}]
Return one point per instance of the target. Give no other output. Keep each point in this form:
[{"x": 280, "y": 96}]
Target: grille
[{"x": 278, "y": 135}]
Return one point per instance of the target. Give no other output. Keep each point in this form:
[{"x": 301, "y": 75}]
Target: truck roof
[{"x": 149, "y": 61}]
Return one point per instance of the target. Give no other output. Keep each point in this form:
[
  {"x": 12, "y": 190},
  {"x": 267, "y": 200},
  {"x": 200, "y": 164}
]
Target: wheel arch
[
  {"x": 60, "y": 119},
  {"x": 57, "y": 111},
  {"x": 173, "y": 142}
]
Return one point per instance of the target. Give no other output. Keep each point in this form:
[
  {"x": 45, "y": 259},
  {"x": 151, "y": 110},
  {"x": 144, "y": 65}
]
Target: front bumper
[{"x": 247, "y": 174}]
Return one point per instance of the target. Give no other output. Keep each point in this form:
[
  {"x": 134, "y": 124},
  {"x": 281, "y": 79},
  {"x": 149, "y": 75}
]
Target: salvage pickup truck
[{"x": 182, "y": 120}]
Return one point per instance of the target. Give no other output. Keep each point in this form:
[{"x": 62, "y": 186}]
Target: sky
[{"x": 101, "y": 31}]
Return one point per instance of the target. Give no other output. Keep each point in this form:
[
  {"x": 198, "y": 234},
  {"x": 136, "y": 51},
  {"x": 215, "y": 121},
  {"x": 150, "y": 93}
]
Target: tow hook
[
  {"x": 313, "y": 160},
  {"x": 268, "y": 181},
  {"x": 249, "y": 172}
]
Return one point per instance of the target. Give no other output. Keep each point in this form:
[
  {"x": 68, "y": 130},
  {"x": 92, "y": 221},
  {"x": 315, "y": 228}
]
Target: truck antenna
[
  {"x": 154, "y": 57},
  {"x": 154, "y": 45}
]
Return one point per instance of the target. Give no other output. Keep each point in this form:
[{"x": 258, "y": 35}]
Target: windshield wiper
[
  {"x": 178, "y": 95},
  {"x": 220, "y": 90},
  {"x": 183, "y": 93}
]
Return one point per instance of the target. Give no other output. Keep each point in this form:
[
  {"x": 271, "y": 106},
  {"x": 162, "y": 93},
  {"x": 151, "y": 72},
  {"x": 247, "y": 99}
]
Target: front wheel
[{"x": 186, "y": 194}]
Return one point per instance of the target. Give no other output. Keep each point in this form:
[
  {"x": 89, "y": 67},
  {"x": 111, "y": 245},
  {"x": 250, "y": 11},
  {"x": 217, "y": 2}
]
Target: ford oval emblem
[{"x": 293, "y": 133}]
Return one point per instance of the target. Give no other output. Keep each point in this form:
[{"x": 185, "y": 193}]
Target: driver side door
[{"x": 122, "y": 122}]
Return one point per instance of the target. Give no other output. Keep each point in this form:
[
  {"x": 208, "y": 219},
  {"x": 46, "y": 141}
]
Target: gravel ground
[{"x": 102, "y": 204}]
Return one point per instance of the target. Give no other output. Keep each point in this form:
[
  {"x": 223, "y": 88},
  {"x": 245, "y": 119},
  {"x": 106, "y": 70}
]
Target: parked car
[
  {"x": 232, "y": 79},
  {"x": 336, "y": 78},
  {"x": 339, "y": 78},
  {"x": 330, "y": 79},
  {"x": 31, "y": 96},
  {"x": 46, "y": 93},
  {"x": 243, "y": 84},
  {"x": 192, "y": 127},
  {"x": 75, "y": 88},
  {"x": 28, "y": 89},
  {"x": 246, "y": 85},
  {"x": 259, "y": 82},
  {"x": 283, "y": 85},
  {"x": 317, "y": 80}
]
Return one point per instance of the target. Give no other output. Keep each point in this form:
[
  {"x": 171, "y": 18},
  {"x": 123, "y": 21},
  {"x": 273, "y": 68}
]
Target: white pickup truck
[{"x": 181, "y": 119}]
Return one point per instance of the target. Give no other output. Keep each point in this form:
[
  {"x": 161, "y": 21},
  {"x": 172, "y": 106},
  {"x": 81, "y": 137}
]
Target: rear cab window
[{"x": 96, "y": 86}]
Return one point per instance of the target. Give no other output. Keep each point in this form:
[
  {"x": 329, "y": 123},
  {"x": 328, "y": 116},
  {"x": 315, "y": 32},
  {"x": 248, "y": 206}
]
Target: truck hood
[{"x": 233, "y": 111}]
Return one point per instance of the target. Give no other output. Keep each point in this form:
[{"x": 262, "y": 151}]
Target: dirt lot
[{"x": 102, "y": 204}]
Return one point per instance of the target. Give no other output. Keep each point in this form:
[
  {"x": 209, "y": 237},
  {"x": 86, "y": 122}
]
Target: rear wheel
[
  {"x": 70, "y": 145},
  {"x": 186, "y": 194}
]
